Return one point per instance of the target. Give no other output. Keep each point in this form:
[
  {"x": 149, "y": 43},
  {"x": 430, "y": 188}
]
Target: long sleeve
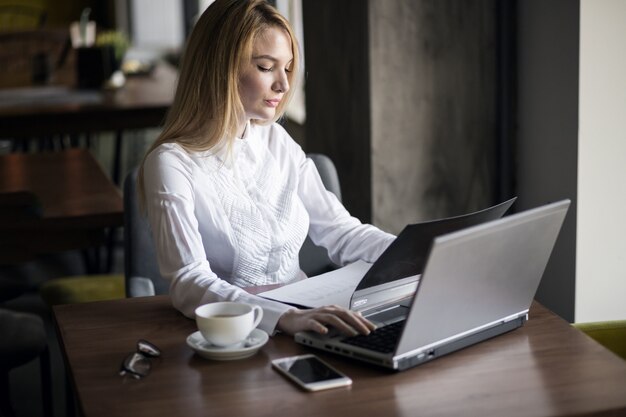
[
  {"x": 331, "y": 225},
  {"x": 171, "y": 196}
]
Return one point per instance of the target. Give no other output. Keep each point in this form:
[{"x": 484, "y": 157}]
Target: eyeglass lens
[
  {"x": 148, "y": 349},
  {"x": 138, "y": 363}
]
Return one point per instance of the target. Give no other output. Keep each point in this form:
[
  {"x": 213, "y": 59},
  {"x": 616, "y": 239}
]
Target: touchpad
[{"x": 388, "y": 316}]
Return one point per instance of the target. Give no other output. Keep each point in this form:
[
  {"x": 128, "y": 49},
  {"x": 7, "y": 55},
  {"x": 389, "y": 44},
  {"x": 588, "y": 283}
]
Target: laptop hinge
[{"x": 370, "y": 299}]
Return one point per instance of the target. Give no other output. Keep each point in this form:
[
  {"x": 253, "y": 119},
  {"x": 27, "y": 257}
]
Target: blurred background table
[
  {"x": 44, "y": 111},
  {"x": 55, "y": 201},
  {"x": 34, "y": 111}
]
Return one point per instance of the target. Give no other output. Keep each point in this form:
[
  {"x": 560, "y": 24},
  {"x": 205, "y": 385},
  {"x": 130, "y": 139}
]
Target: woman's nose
[{"x": 281, "y": 84}]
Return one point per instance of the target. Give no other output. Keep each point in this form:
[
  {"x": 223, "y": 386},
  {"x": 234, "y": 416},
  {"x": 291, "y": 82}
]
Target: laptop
[
  {"x": 394, "y": 276},
  {"x": 402, "y": 263},
  {"x": 478, "y": 283}
]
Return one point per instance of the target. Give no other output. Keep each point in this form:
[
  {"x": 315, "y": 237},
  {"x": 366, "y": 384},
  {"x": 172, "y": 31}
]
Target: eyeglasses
[{"x": 137, "y": 364}]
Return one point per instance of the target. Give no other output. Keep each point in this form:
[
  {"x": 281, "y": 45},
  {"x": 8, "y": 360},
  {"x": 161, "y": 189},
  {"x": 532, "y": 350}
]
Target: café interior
[{"x": 426, "y": 109}]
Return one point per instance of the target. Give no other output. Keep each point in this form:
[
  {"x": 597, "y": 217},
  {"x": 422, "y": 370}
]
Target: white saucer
[{"x": 249, "y": 347}]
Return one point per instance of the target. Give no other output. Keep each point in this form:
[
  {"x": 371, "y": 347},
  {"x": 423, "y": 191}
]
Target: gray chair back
[
  {"x": 140, "y": 265},
  {"x": 141, "y": 270},
  {"x": 314, "y": 260}
]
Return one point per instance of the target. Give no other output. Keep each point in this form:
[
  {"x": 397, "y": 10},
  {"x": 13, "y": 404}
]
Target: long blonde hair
[{"x": 207, "y": 108}]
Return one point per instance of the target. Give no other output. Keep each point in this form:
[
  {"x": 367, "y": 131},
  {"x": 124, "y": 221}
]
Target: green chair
[
  {"x": 610, "y": 334},
  {"x": 83, "y": 289},
  {"x": 21, "y": 207},
  {"x": 15, "y": 16}
]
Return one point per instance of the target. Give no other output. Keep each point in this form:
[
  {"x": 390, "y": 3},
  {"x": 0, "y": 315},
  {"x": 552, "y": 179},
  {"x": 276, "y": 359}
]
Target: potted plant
[
  {"x": 99, "y": 65},
  {"x": 118, "y": 43}
]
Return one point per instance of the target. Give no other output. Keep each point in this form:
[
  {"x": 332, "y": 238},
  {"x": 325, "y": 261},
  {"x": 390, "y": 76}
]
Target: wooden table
[
  {"x": 142, "y": 102},
  {"x": 74, "y": 198},
  {"x": 546, "y": 368},
  {"x": 44, "y": 111}
]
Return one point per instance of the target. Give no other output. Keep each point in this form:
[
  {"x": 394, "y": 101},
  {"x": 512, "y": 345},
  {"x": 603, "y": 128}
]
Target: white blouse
[{"x": 226, "y": 219}]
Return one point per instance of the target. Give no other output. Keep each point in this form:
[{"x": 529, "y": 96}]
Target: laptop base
[{"x": 400, "y": 364}]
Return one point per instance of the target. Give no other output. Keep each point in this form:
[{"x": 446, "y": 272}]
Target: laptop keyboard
[{"x": 383, "y": 339}]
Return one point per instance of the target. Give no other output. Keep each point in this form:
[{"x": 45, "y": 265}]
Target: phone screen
[{"x": 309, "y": 369}]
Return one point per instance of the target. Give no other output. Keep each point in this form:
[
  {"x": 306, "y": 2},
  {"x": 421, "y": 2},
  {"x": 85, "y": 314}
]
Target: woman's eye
[{"x": 264, "y": 69}]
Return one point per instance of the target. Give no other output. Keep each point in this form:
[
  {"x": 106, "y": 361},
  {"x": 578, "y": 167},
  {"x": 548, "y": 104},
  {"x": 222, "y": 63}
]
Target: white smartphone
[{"x": 310, "y": 372}]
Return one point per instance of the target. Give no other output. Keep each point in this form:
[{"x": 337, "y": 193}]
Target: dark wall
[
  {"x": 337, "y": 94},
  {"x": 402, "y": 96},
  {"x": 547, "y": 121},
  {"x": 433, "y": 85}
]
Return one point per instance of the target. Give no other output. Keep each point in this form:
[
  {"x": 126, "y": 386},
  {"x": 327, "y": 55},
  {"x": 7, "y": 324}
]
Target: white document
[{"x": 334, "y": 287}]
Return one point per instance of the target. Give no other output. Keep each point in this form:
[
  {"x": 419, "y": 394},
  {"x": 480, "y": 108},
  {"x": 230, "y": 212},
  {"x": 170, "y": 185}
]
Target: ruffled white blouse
[{"x": 226, "y": 219}]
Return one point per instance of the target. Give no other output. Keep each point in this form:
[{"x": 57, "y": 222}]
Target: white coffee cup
[{"x": 227, "y": 323}]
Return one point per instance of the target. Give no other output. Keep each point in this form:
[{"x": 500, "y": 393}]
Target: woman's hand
[{"x": 318, "y": 320}]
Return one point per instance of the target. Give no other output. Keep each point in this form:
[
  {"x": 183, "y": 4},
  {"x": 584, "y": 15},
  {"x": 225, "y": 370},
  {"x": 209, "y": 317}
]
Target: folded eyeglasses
[{"x": 137, "y": 364}]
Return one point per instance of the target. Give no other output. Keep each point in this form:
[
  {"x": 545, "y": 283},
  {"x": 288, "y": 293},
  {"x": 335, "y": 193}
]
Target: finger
[
  {"x": 335, "y": 321},
  {"x": 316, "y": 326},
  {"x": 362, "y": 325},
  {"x": 356, "y": 321},
  {"x": 368, "y": 323}
]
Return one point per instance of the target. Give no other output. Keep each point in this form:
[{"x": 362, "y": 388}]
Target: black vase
[{"x": 94, "y": 65}]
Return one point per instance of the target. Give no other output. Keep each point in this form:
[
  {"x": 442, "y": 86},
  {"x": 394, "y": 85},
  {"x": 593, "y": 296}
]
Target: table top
[
  {"x": 68, "y": 201},
  {"x": 71, "y": 187},
  {"x": 544, "y": 368},
  {"x": 36, "y": 111}
]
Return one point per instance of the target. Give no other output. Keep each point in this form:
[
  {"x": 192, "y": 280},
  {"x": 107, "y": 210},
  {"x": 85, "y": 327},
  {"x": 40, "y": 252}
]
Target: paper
[{"x": 335, "y": 287}]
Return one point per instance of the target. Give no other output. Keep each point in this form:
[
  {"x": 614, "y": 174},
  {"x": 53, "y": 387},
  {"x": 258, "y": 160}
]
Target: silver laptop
[
  {"x": 396, "y": 272},
  {"x": 478, "y": 283}
]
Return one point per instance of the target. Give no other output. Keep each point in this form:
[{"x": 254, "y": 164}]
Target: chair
[
  {"x": 18, "y": 16},
  {"x": 35, "y": 57},
  {"x": 610, "y": 334},
  {"x": 141, "y": 270},
  {"x": 140, "y": 265},
  {"x": 18, "y": 208},
  {"x": 314, "y": 260},
  {"x": 23, "y": 339},
  {"x": 83, "y": 289}
]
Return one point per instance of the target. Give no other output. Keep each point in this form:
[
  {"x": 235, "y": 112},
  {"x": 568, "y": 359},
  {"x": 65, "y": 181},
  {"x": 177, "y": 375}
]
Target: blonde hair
[{"x": 207, "y": 108}]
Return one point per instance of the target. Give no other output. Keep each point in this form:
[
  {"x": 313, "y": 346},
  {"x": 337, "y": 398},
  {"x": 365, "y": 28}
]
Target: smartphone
[{"x": 310, "y": 372}]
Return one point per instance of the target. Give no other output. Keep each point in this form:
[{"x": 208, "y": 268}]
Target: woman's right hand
[{"x": 318, "y": 319}]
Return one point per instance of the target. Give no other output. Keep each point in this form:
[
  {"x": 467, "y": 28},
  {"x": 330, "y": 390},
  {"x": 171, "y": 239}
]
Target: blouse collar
[{"x": 246, "y": 144}]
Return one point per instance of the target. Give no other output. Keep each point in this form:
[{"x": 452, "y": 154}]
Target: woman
[{"x": 229, "y": 195}]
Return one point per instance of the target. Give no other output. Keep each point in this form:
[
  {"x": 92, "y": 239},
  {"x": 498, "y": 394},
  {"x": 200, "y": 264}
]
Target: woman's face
[{"x": 264, "y": 81}]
